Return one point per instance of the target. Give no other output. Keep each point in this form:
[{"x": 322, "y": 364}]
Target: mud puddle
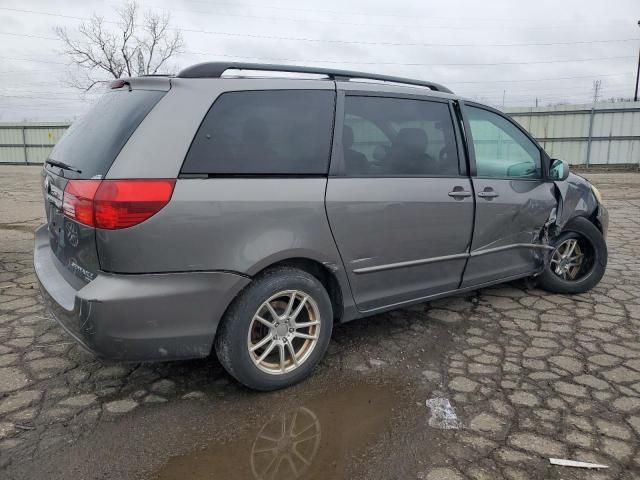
[{"x": 317, "y": 439}]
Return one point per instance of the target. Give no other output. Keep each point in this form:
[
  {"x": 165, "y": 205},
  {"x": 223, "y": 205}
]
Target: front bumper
[
  {"x": 602, "y": 216},
  {"x": 137, "y": 317}
]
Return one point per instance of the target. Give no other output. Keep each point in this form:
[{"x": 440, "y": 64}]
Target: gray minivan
[{"x": 246, "y": 208}]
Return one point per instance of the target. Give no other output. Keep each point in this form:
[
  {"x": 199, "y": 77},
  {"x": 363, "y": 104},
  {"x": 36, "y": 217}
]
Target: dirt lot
[{"x": 530, "y": 375}]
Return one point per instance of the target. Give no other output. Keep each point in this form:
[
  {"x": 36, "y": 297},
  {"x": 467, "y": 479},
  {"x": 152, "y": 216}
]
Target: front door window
[{"x": 502, "y": 150}]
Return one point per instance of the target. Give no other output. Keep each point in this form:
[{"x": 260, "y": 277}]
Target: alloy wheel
[
  {"x": 568, "y": 260},
  {"x": 283, "y": 332}
]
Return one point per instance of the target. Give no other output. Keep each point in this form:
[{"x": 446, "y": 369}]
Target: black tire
[
  {"x": 592, "y": 240},
  {"x": 231, "y": 339}
]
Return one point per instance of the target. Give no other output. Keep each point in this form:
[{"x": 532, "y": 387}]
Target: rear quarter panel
[{"x": 236, "y": 224}]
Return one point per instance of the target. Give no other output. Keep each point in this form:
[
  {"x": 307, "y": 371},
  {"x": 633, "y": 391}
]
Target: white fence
[{"x": 604, "y": 134}]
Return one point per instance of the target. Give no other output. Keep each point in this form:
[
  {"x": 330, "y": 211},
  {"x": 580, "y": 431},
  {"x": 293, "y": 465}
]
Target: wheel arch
[
  {"x": 324, "y": 272},
  {"x": 591, "y": 217}
]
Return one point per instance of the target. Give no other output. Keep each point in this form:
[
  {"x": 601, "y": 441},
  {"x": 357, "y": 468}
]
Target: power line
[
  {"x": 68, "y": 94},
  {"x": 368, "y": 14},
  {"x": 342, "y": 41},
  {"x": 29, "y": 36},
  {"x": 33, "y": 60},
  {"x": 587, "y": 96},
  {"x": 368, "y": 24},
  {"x": 394, "y": 44},
  {"x": 417, "y": 64},
  {"x": 542, "y": 79},
  {"x": 23, "y": 71},
  {"x": 541, "y": 62},
  {"x": 456, "y": 45},
  {"x": 497, "y": 88}
]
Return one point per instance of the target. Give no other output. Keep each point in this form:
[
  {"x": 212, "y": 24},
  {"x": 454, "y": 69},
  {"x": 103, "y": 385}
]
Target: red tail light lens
[
  {"x": 114, "y": 204},
  {"x": 77, "y": 202},
  {"x": 124, "y": 203}
]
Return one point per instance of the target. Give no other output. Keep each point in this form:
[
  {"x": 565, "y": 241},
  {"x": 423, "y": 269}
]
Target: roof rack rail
[{"x": 216, "y": 69}]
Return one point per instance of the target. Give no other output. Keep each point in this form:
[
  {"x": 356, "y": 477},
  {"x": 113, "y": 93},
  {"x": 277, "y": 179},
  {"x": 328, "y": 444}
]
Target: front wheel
[
  {"x": 578, "y": 261},
  {"x": 277, "y": 330}
]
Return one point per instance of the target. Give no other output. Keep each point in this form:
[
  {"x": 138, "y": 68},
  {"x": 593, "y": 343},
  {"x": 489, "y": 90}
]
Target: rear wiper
[{"x": 62, "y": 165}]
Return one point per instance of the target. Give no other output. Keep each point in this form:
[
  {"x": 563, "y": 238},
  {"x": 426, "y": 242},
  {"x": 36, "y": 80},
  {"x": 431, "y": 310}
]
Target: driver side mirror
[{"x": 559, "y": 170}]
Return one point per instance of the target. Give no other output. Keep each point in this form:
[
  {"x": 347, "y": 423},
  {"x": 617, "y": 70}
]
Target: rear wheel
[
  {"x": 578, "y": 261},
  {"x": 275, "y": 333}
]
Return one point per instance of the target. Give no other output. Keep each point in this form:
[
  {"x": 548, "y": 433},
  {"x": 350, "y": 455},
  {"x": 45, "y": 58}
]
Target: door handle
[
  {"x": 458, "y": 192},
  {"x": 488, "y": 193}
]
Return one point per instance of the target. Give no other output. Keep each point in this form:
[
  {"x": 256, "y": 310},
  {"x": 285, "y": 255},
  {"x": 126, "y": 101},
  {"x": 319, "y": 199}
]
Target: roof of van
[{"x": 217, "y": 69}]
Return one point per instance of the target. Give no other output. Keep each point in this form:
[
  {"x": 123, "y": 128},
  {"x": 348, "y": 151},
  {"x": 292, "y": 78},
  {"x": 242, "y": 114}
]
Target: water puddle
[{"x": 317, "y": 439}]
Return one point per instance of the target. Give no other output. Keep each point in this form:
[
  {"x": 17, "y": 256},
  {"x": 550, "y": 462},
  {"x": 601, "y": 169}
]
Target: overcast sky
[{"x": 552, "y": 50}]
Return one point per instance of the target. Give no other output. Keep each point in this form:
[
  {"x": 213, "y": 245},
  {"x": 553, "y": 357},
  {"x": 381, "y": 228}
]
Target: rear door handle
[{"x": 488, "y": 193}]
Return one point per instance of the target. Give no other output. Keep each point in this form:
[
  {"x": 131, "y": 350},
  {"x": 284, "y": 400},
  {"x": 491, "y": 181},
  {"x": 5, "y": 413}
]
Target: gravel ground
[{"x": 530, "y": 374}]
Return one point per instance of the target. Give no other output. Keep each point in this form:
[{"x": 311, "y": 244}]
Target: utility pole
[
  {"x": 504, "y": 93},
  {"x": 141, "y": 71},
  {"x": 635, "y": 98},
  {"x": 597, "y": 84}
]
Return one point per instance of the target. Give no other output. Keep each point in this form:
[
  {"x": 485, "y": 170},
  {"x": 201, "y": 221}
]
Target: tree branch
[{"x": 114, "y": 52}]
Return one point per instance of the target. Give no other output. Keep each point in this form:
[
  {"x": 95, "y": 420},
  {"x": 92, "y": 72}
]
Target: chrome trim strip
[
  {"x": 410, "y": 263},
  {"x": 477, "y": 253},
  {"x": 424, "y": 261}
]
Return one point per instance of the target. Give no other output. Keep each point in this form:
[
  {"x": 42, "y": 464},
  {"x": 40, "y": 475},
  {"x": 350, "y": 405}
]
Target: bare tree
[{"x": 103, "y": 49}]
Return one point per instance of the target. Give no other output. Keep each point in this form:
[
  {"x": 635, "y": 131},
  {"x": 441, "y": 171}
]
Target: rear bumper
[{"x": 144, "y": 317}]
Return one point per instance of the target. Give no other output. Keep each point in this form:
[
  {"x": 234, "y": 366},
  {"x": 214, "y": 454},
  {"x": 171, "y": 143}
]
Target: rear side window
[
  {"x": 280, "y": 132},
  {"x": 398, "y": 137},
  {"x": 93, "y": 142}
]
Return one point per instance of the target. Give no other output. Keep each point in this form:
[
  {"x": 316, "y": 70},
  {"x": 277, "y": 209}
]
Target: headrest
[
  {"x": 413, "y": 138},
  {"x": 347, "y": 136}
]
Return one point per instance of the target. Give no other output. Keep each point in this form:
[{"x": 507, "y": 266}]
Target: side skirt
[{"x": 367, "y": 313}]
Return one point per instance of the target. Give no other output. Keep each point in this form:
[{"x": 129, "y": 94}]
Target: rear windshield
[
  {"x": 93, "y": 142},
  {"x": 281, "y": 132}
]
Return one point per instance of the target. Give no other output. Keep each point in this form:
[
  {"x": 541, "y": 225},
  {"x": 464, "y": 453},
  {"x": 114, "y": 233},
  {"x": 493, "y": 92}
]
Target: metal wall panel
[
  {"x": 28, "y": 142},
  {"x": 10, "y": 136},
  {"x": 11, "y": 154},
  {"x": 43, "y": 136},
  {"x": 37, "y": 154},
  {"x": 604, "y": 134},
  {"x": 566, "y": 150}
]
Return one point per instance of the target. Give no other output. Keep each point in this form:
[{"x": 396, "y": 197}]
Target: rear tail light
[
  {"x": 77, "y": 202},
  {"x": 114, "y": 204}
]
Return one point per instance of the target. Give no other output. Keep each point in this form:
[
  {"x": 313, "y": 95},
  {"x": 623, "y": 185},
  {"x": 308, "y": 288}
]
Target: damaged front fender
[{"x": 575, "y": 199}]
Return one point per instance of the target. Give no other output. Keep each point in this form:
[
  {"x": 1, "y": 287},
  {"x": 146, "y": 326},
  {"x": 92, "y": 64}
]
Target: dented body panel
[
  {"x": 575, "y": 199},
  {"x": 507, "y": 230}
]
